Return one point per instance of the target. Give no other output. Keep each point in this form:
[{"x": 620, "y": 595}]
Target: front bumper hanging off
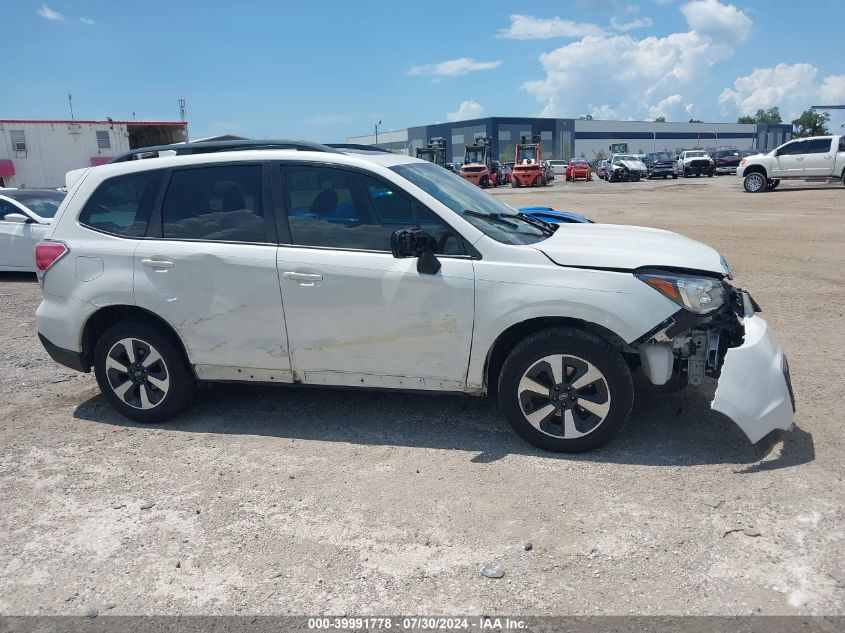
[{"x": 755, "y": 389}]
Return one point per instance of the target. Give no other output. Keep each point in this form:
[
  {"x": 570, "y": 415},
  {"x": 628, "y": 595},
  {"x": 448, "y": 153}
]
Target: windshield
[
  {"x": 616, "y": 159},
  {"x": 660, "y": 156},
  {"x": 42, "y": 203},
  {"x": 526, "y": 154},
  {"x": 695, "y": 154},
  {"x": 460, "y": 196},
  {"x": 474, "y": 156}
]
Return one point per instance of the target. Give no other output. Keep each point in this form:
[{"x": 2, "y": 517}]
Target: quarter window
[
  {"x": 842, "y": 143},
  {"x": 215, "y": 203},
  {"x": 122, "y": 205},
  {"x": 335, "y": 208}
]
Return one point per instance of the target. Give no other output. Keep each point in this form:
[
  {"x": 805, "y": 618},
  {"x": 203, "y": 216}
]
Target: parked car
[
  {"x": 162, "y": 272},
  {"x": 559, "y": 166},
  {"x": 725, "y": 161},
  {"x": 578, "y": 169},
  {"x": 601, "y": 169},
  {"x": 25, "y": 215},
  {"x": 661, "y": 164},
  {"x": 507, "y": 170},
  {"x": 625, "y": 168},
  {"x": 554, "y": 216},
  {"x": 817, "y": 158},
  {"x": 549, "y": 170},
  {"x": 695, "y": 161}
]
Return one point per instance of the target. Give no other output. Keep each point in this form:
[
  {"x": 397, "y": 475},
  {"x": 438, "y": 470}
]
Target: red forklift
[
  {"x": 527, "y": 168},
  {"x": 478, "y": 164},
  {"x": 435, "y": 152}
]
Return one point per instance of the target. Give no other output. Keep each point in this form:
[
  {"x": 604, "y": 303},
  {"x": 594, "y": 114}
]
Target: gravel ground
[{"x": 274, "y": 500}]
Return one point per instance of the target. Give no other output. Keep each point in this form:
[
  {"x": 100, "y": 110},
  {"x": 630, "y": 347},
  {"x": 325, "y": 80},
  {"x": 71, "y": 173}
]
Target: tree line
[{"x": 810, "y": 123}]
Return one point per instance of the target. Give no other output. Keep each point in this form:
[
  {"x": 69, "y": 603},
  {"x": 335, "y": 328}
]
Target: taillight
[{"x": 48, "y": 253}]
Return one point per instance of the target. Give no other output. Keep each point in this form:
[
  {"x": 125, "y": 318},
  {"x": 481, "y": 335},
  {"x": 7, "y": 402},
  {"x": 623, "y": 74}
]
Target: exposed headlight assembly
[{"x": 700, "y": 295}]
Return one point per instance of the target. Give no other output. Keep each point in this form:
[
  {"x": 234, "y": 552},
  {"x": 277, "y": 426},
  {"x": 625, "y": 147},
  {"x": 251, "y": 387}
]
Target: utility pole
[
  {"x": 70, "y": 103},
  {"x": 377, "y": 124},
  {"x": 183, "y": 112}
]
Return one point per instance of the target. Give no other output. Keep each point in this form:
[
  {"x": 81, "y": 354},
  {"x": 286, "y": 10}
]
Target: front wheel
[
  {"x": 565, "y": 390},
  {"x": 754, "y": 183},
  {"x": 142, "y": 372},
  {"x": 674, "y": 176}
]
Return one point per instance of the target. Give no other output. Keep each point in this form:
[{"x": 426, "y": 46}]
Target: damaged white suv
[{"x": 299, "y": 263}]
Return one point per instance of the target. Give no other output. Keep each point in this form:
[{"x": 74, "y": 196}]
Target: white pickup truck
[{"x": 815, "y": 158}]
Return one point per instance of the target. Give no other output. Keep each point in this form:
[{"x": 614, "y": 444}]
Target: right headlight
[{"x": 700, "y": 295}]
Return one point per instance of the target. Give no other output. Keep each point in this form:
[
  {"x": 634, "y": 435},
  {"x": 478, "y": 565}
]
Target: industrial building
[
  {"x": 571, "y": 138},
  {"x": 40, "y": 153}
]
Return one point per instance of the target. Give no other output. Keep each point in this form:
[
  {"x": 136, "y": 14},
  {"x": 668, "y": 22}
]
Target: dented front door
[{"x": 369, "y": 319}]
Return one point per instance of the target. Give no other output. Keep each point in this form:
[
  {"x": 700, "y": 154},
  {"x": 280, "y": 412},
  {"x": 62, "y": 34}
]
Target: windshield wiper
[
  {"x": 494, "y": 217},
  {"x": 546, "y": 227}
]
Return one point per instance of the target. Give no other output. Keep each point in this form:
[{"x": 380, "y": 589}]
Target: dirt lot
[{"x": 287, "y": 500}]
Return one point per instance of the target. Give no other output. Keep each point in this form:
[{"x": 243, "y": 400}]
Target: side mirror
[
  {"x": 417, "y": 243},
  {"x": 19, "y": 218}
]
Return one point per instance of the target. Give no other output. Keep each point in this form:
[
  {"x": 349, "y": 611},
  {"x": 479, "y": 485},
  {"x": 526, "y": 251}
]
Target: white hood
[
  {"x": 633, "y": 165},
  {"x": 627, "y": 247}
]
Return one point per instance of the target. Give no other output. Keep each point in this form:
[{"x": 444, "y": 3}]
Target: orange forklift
[
  {"x": 435, "y": 152},
  {"x": 527, "y": 169},
  {"x": 478, "y": 164}
]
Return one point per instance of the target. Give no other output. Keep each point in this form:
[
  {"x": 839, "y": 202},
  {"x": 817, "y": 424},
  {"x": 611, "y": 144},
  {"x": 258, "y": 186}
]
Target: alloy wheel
[
  {"x": 137, "y": 373},
  {"x": 564, "y": 396},
  {"x": 754, "y": 183}
]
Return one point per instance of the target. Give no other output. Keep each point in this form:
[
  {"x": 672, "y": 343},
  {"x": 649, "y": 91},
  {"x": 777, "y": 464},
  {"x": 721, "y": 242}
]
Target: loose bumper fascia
[{"x": 755, "y": 388}]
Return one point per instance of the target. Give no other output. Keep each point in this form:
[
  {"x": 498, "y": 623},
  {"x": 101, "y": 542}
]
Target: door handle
[
  {"x": 295, "y": 276},
  {"x": 158, "y": 264}
]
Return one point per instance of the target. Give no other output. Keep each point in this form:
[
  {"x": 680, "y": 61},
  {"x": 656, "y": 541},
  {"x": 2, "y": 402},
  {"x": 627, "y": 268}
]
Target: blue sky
[{"x": 326, "y": 70}]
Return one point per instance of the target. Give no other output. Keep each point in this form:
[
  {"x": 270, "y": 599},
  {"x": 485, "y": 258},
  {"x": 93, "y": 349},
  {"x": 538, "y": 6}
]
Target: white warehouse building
[{"x": 39, "y": 153}]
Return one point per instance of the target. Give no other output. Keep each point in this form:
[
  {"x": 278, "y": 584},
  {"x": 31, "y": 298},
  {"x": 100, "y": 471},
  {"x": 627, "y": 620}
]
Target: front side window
[
  {"x": 819, "y": 145},
  {"x": 122, "y": 205},
  {"x": 336, "y": 208},
  {"x": 6, "y": 208},
  {"x": 791, "y": 149},
  {"x": 222, "y": 203}
]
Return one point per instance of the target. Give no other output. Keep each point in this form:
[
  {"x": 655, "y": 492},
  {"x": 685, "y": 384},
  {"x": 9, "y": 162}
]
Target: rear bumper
[
  {"x": 755, "y": 388},
  {"x": 63, "y": 356}
]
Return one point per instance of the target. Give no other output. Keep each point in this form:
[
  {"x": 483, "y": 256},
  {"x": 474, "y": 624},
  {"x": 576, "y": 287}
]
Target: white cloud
[
  {"x": 467, "y": 110},
  {"x": 528, "y": 27},
  {"x": 635, "y": 76},
  {"x": 637, "y": 23},
  {"x": 665, "y": 107},
  {"x": 717, "y": 21},
  {"x": 87, "y": 21},
  {"x": 48, "y": 14},
  {"x": 832, "y": 91},
  {"x": 791, "y": 87},
  {"x": 688, "y": 108},
  {"x": 453, "y": 67},
  {"x": 602, "y": 112}
]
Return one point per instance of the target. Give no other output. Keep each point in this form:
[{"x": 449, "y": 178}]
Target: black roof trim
[
  {"x": 359, "y": 148},
  {"x": 185, "y": 149}
]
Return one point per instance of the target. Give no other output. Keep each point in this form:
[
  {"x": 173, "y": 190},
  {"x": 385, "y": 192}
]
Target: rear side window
[
  {"x": 122, "y": 205},
  {"x": 215, "y": 203},
  {"x": 818, "y": 145}
]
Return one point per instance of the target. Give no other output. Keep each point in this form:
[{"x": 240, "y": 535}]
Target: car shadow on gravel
[{"x": 664, "y": 430}]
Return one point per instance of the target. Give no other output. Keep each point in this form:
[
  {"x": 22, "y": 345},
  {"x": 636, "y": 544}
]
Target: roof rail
[
  {"x": 358, "y": 147},
  {"x": 184, "y": 149}
]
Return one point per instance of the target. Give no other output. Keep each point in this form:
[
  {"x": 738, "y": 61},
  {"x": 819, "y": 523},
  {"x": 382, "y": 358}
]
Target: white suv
[{"x": 314, "y": 265}]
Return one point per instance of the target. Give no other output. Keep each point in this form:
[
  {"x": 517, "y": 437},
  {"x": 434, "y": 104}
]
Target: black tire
[
  {"x": 182, "y": 385},
  {"x": 755, "y": 182},
  {"x": 709, "y": 174},
  {"x": 772, "y": 184},
  {"x": 584, "y": 346},
  {"x": 674, "y": 176},
  {"x": 665, "y": 177},
  {"x": 514, "y": 184}
]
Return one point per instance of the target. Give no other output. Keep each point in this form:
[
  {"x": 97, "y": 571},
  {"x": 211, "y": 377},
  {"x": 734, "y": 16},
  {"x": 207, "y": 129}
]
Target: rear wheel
[
  {"x": 143, "y": 372},
  {"x": 772, "y": 184},
  {"x": 754, "y": 183},
  {"x": 514, "y": 183},
  {"x": 565, "y": 390}
]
